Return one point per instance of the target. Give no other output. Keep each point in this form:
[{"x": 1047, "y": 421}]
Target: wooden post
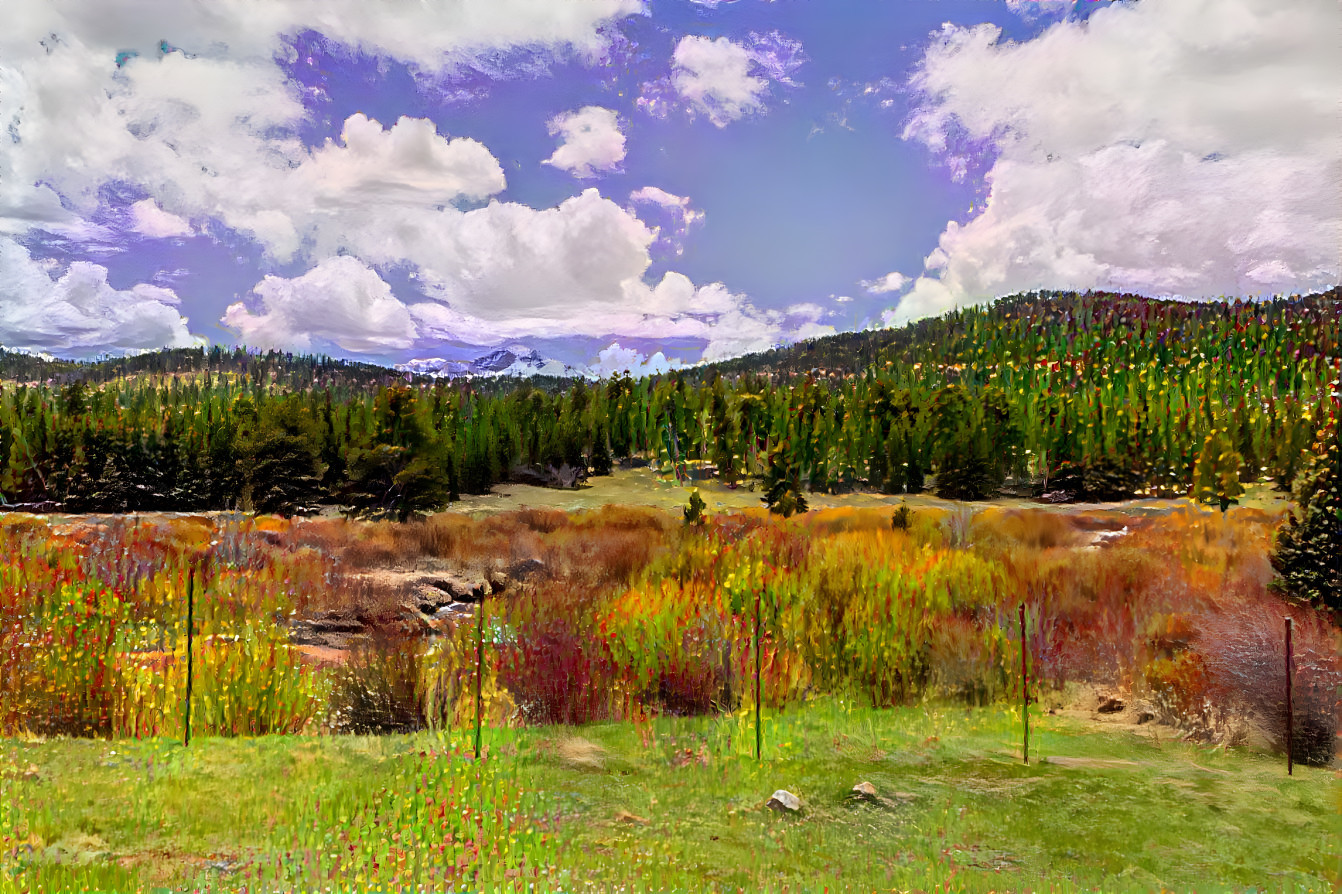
[
  {"x": 1290, "y": 706},
  {"x": 759, "y": 731},
  {"x": 190, "y": 622},
  {"x": 479, "y": 670},
  {"x": 1024, "y": 687}
]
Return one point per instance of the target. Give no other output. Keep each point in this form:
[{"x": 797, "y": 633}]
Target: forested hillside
[{"x": 1095, "y": 396}]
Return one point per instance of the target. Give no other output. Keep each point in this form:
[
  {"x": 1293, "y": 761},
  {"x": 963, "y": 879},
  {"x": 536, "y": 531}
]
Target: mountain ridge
[{"x": 518, "y": 364}]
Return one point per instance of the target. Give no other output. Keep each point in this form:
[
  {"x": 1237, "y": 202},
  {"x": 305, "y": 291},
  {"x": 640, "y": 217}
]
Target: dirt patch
[
  {"x": 1084, "y": 703},
  {"x": 322, "y": 656},
  {"x": 578, "y": 753}
]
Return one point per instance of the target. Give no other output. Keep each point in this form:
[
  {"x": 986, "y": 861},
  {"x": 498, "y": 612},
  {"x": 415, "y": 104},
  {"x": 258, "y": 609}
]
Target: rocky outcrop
[{"x": 418, "y": 603}]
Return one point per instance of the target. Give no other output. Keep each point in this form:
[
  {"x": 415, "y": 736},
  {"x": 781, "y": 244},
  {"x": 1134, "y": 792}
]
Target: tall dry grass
[{"x": 626, "y": 611}]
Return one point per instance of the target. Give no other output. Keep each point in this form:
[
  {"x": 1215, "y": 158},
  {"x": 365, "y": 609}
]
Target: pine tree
[
  {"x": 284, "y": 469},
  {"x": 1216, "y": 473},
  {"x": 115, "y": 490},
  {"x": 1308, "y": 553},
  {"x": 782, "y": 484},
  {"x": 965, "y": 468},
  {"x": 406, "y": 469},
  {"x": 694, "y": 509}
]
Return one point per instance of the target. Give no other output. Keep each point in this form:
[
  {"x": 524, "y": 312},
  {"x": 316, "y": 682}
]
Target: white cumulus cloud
[
  {"x": 615, "y": 360},
  {"x": 723, "y": 79},
  {"x": 89, "y": 96},
  {"x": 79, "y": 312},
  {"x": 96, "y": 94},
  {"x": 148, "y": 219},
  {"x": 340, "y": 302},
  {"x": 502, "y": 273},
  {"x": 713, "y": 76},
  {"x": 408, "y": 163},
  {"x": 891, "y": 282},
  {"x": 1173, "y": 147},
  {"x": 590, "y": 141}
]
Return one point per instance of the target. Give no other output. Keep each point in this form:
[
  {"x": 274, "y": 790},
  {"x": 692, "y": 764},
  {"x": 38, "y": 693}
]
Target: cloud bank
[
  {"x": 1171, "y": 147},
  {"x": 341, "y": 302},
  {"x": 203, "y": 127},
  {"x": 79, "y": 313}
]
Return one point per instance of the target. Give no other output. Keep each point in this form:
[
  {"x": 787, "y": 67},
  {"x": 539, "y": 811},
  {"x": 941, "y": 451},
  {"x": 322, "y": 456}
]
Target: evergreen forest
[{"x": 1072, "y": 396}]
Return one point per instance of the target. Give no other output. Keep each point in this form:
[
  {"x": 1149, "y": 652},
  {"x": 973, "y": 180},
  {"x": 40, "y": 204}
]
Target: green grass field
[
  {"x": 671, "y": 805},
  {"x": 644, "y": 487}
]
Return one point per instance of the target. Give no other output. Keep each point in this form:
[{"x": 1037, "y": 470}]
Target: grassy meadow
[
  {"x": 672, "y": 804},
  {"x": 617, "y": 679}
]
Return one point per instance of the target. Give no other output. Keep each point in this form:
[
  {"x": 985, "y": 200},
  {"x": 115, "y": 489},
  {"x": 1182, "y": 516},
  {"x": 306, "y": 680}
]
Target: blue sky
[{"x": 635, "y": 184}]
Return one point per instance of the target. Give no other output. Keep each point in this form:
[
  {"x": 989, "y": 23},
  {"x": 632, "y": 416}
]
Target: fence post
[
  {"x": 190, "y": 623},
  {"x": 1024, "y": 687},
  {"x": 759, "y": 731},
  {"x": 479, "y": 669},
  {"x": 1290, "y": 706}
]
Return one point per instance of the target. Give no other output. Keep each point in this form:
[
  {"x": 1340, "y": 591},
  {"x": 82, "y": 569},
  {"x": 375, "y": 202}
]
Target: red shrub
[
  {"x": 1243, "y": 647},
  {"x": 556, "y": 670}
]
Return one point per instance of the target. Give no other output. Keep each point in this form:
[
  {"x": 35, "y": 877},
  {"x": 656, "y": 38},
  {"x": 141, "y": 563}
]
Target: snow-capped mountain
[{"x": 514, "y": 360}]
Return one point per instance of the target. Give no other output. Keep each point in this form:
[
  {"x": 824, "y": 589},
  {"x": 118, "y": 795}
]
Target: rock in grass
[
  {"x": 864, "y": 790},
  {"x": 1110, "y": 704},
  {"x": 784, "y": 802}
]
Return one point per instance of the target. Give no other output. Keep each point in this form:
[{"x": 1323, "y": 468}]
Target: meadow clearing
[{"x": 335, "y": 676}]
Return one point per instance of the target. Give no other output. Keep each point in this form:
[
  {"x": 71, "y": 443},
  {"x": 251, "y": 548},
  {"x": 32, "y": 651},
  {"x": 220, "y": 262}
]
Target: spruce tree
[
  {"x": 1216, "y": 473},
  {"x": 966, "y": 469},
  {"x": 694, "y": 509},
  {"x": 1308, "y": 553},
  {"x": 782, "y": 484}
]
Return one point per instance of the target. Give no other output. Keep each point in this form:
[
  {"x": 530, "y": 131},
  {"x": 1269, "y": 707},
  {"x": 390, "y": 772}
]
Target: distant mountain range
[
  {"x": 517, "y": 361},
  {"x": 499, "y": 370}
]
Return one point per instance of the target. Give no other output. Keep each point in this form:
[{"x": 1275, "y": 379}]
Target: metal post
[
  {"x": 1290, "y": 706},
  {"x": 479, "y": 670},
  {"x": 759, "y": 731},
  {"x": 190, "y": 623},
  {"x": 1024, "y": 687}
]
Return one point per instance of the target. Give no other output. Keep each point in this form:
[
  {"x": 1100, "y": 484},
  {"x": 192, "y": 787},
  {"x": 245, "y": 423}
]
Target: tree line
[{"x": 1087, "y": 396}]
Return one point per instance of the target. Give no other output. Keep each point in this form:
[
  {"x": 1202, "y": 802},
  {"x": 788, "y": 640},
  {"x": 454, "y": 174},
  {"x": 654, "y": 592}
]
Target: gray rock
[
  {"x": 456, "y": 589},
  {"x": 526, "y": 569},
  {"x": 326, "y": 629},
  {"x": 456, "y": 610},
  {"x": 784, "y": 802},
  {"x": 429, "y": 599}
]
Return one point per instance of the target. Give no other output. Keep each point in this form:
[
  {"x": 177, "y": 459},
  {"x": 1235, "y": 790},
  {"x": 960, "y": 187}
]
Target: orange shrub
[
  {"x": 1180, "y": 685},
  {"x": 1036, "y": 529},
  {"x": 540, "y": 519}
]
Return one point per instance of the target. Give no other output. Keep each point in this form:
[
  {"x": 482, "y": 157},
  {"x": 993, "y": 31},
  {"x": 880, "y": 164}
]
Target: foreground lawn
[{"x": 671, "y": 805}]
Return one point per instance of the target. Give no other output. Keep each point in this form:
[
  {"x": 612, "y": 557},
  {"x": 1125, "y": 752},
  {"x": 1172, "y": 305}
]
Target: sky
[{"x": 638, "y": 184}]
